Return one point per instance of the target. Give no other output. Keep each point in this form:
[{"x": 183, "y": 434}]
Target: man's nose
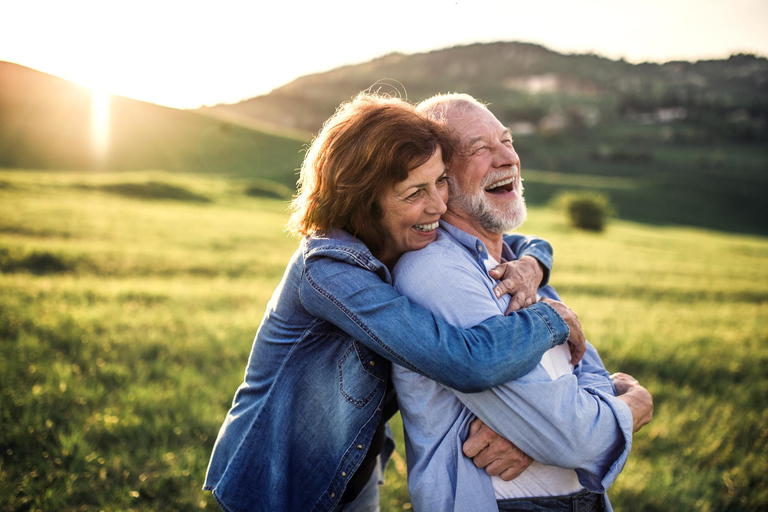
[{"x": 505, "y": 156}]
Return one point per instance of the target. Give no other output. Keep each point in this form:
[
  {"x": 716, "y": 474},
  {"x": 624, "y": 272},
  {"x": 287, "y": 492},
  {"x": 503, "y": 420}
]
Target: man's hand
[
  {"x": 520, "y": 279},
  {"x": 638, "y": 399},
  {"x": 489, "y": 450},
  {"x": 576, "y": 341}
]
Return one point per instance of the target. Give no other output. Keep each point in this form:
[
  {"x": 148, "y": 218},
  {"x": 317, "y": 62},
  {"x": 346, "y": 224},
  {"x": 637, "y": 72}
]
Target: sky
[{"x": 190, "y": 53}]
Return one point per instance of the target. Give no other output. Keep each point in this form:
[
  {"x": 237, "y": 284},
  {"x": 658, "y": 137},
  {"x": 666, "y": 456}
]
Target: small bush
[
  {"x": 266, "y": 188},
  {"x": 585, "y": 210},
  {"x": 153, "y": 190},
  {"x": 35, "y": 262}
]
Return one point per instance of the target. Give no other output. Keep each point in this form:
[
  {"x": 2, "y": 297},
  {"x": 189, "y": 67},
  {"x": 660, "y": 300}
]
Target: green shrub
[
  {"x": 35, "y": 262},
  {"x": 152, "y": 190},
  {"x": 585, "y": 210},
  {"x": 267, "y": 188}
]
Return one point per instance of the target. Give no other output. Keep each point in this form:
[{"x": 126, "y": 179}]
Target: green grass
[{"x": 126, "y": 320}]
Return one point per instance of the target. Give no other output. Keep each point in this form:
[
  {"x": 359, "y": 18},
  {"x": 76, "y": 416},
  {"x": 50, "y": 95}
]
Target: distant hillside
[
  {"x": 527, "y": 83},
  {"x": 673, "y": 143},
  {"x": 45, "y": 123}
]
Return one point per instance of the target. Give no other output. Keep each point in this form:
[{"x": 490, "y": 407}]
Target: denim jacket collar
[{"x": 345, "y": 247}]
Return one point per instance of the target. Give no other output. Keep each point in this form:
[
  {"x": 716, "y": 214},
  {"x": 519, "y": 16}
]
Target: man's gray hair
[{"x": 439, "y": 106}]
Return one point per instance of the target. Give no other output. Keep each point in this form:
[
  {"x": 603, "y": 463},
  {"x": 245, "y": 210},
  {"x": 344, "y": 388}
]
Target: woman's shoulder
[{"x": 338, "y": 245}]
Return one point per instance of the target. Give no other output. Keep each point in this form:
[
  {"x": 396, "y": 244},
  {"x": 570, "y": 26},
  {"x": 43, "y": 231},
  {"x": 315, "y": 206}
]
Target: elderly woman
[{"x": 307, "y": 425}]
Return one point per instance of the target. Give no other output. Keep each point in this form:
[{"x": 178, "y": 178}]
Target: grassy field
[{"x": 129, "y": 301}]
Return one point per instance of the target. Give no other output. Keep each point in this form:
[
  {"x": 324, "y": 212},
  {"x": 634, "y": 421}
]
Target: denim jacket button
[
  {"x": 359, "y": 447},
  {"x": 333, "y": 495},
  {"x": 343, "y": 473},
  {"x": 372, "y": 363}
]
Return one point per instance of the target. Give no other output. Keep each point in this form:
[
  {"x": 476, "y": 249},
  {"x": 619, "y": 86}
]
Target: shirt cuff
[
  {"x": 625, "y": 422},
  {"x": 558, "y": 328}
]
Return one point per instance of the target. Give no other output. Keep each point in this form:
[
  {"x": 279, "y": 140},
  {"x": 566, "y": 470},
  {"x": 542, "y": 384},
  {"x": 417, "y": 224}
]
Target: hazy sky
[{"x": 189, "y": 53}]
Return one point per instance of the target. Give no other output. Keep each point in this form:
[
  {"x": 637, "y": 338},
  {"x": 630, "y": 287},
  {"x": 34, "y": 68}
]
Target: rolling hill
[{"x": 45, "y": 123}]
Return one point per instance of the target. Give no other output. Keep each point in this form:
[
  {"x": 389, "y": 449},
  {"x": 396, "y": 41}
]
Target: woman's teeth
[{"x": 426, "y": 227}]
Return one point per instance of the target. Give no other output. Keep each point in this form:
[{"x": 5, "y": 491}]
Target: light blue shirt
[{"x": 572, "y": 422}]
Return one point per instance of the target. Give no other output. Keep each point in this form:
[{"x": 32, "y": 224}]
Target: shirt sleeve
[
  {"x": 539, "y": 248},
  {"x": 560, "y": 423},
  {"x": 592, "y": 374},
  {"x": 360, "y": 303}
]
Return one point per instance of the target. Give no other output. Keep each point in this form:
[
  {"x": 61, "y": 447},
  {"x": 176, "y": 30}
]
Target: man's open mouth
[{"x": 501, "y": 186}]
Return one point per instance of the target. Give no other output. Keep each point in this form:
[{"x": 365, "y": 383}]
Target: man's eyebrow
[{"x": 471, "y": 142}]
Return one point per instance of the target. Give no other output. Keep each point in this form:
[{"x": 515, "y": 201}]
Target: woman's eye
[{"x": 414, "y": 196}]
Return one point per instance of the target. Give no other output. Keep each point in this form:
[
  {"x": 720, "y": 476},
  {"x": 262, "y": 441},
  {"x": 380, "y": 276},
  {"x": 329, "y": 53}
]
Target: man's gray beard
[{"x": 490, "y": 218}]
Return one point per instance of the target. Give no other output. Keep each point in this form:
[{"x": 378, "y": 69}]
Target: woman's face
[{"x": 412, "y": 208}]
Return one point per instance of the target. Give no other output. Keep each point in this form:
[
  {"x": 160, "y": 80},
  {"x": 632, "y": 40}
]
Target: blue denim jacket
[{"x": 302, "y": 420}]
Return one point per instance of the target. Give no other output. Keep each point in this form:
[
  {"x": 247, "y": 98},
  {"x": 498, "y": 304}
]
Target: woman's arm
[{"x": 359, "y": 302}]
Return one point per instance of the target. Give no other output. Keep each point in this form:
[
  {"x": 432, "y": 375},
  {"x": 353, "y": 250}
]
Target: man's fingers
[
  {"x": 517, "y": 303},
  {"x": 476, "y": 440},
  {"x": 512, "y": 473},
  {"x": 484, "y": 458}
]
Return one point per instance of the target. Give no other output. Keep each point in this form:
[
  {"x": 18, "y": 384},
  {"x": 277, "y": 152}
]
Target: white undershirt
[{"x": 538, "y": 479}]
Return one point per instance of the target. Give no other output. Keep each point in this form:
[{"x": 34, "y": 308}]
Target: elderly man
[{"x": 568, "y": 420}]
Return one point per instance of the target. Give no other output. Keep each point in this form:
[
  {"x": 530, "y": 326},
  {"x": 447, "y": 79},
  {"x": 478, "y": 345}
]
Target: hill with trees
[{"x": 672, "y": 143}]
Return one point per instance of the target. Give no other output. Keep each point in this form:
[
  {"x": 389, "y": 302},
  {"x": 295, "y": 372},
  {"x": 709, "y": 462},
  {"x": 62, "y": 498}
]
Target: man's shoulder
[{"x": 444, "y": 249}]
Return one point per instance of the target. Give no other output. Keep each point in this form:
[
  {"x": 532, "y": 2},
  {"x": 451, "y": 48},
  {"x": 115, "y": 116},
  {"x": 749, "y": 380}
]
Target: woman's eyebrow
[{"x": 423, "y": 185}]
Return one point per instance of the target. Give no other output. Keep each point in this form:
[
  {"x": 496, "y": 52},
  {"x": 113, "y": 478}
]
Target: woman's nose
[{"x": 437, "y": 202}]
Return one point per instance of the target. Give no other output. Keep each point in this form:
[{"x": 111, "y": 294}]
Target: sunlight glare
[{"x": 100, "y": 100}]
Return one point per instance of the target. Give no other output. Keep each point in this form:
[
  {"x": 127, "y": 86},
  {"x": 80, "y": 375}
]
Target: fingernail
[{"x": 497, "y": 293}]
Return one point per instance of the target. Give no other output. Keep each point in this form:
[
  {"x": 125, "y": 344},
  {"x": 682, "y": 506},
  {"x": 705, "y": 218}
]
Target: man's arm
[
  {"x": 559, "y": 423},
  {"x": 555, "y": 422}
]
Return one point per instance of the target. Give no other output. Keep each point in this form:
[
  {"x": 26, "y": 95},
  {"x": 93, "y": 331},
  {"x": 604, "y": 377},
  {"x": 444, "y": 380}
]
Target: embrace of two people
[{"x": 406, "y": 293}]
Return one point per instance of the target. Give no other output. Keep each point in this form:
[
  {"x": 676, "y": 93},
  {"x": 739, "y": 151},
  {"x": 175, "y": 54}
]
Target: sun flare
[{"x": 100, "y": 100}]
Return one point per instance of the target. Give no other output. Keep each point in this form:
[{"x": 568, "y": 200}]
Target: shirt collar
[{"x": 474, "y": 245}]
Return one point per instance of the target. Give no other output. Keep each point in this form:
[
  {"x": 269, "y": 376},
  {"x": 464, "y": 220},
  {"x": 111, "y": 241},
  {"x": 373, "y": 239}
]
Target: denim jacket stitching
[
  {"x": 332, "y": 487},
  {"x": 357, "y": 321},
  {"x": 359, "y": 403}
]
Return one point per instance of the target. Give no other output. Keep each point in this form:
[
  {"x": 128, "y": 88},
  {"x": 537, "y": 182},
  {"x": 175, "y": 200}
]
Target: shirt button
[
  {"x": 343, "y": 473},
  {"x": 479, "y": 248}
]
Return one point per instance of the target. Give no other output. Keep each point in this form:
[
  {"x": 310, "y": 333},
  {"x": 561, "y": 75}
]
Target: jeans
[{"x": 582, "y": 502}]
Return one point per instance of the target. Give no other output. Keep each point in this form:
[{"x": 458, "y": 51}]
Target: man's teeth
[
  {"x": 501, "y": 183},
  {"x": 426, "y": 227}
]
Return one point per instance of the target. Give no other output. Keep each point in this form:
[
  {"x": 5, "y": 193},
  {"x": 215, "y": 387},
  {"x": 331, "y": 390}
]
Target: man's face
[{"x": 485, "y": 172}]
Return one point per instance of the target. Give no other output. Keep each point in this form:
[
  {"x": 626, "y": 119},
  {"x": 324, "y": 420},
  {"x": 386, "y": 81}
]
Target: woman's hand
[
  {"x": 489, "y": 450},
  {"x": 639, "y": 400},
  {"x": 520, "y": 279}
]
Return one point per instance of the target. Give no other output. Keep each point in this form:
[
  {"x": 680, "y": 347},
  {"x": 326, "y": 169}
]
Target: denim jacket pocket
[{"x": 358, "y": 383}]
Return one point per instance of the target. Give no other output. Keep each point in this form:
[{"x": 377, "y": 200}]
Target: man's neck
[{"x": 493, "y": 241}]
